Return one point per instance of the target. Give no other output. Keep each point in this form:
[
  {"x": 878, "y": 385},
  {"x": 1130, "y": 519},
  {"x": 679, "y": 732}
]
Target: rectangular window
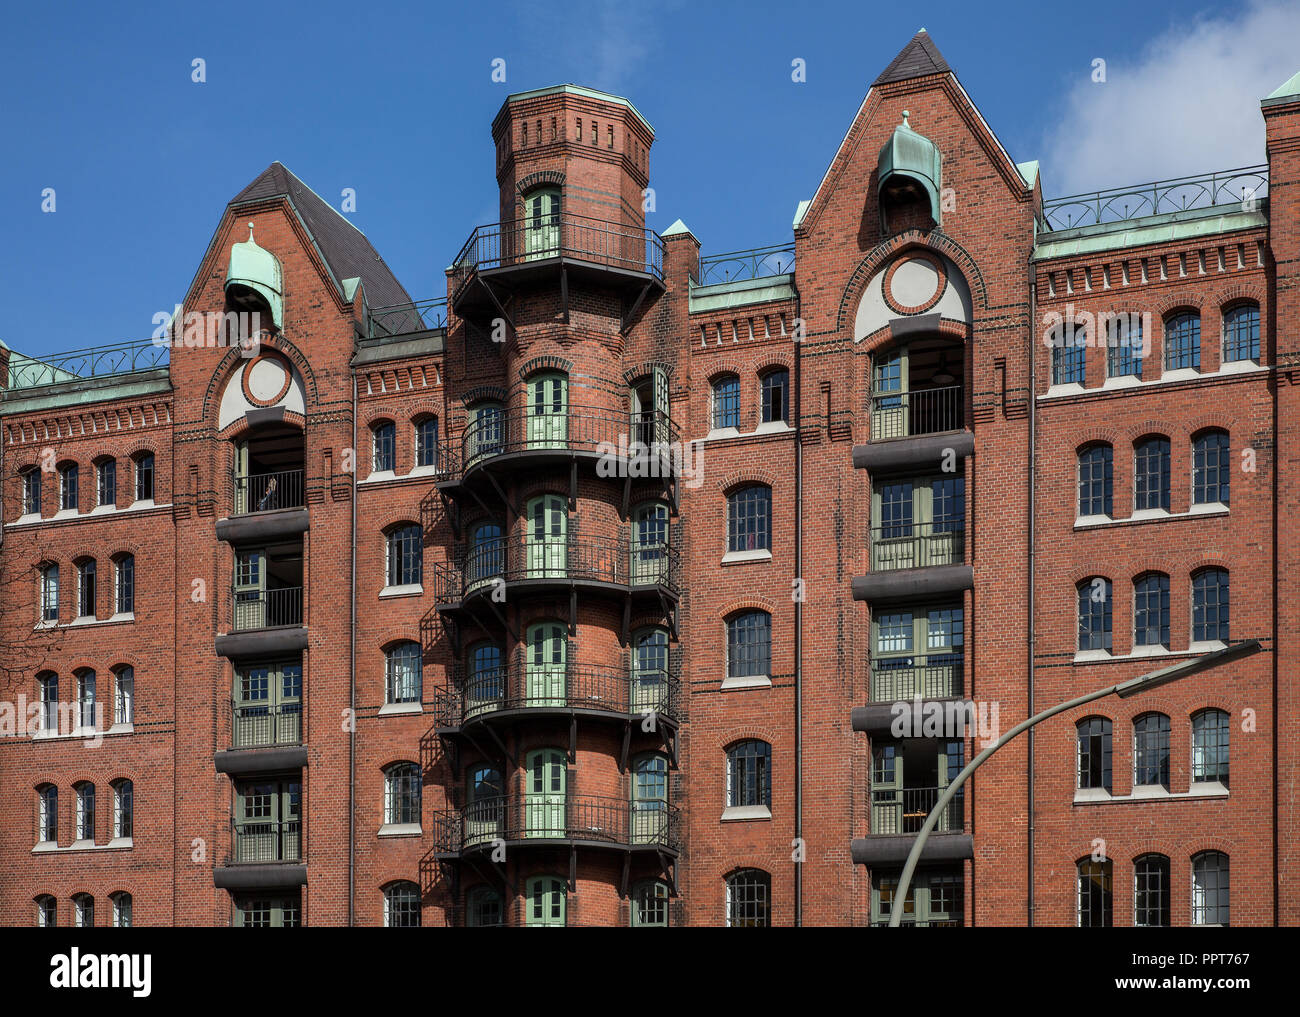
[
  {"x": 749, "y": 645},
  {"x": 1096, "y": 480},
  {"x": 1151, "y": 611},
  {"x": 124, "y": 701},
  {"x": 1095, "y": 615},
  {"x": 726, "y": 403},
  {"x": 1151, "y": 750},
  {"x": 776, "y": 397},
  {"x": 86, "y": 698},
  {"x": 1094, "y": 736},
  {"x": 1211, "y": 470},
  {"x": 405, "y": 557},
  {"x": 1183, "y": 342},
  {"x": 384, "y": 447},
  {"x": 749, "y": 520},
  {"x": 1210, "y": 603}
]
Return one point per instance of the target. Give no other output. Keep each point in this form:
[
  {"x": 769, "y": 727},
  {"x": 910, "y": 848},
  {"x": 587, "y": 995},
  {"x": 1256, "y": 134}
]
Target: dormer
[
  {"x": 909, "y": 181},
  {"x": 255, "y": 281}
]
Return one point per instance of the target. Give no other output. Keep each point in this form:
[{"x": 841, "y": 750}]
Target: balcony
[
  {"x": 264, "y": 622},
  {"x": 908, "y": 778},
  {"x": 918, "y": 545},
  {"x": 925, "y": 411},
  {"x": 551, "y": 820},
  {"x": 647, "y": 446},
  {"x": 600, "y": 565},
  {"x": 938, "y": 676},
  {"x": 903, "y": 810},
  {"x": 567, "y": 689},
  {"x": 263, "y": 855},
  {"x": 268, "y": 492},
  {"x": 618, "y": 255}
]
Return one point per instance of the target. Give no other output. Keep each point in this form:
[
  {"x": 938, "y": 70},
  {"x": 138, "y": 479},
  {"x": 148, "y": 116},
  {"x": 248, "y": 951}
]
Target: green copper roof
[
  {"x": 739, "y": 292},
  {"x": 258, "y": 269},
  {"x": 1152, "y": 229},
  {"x": 1286, "y": 90},
  {"x": 800, "y": 211},
  {"x": 80, "y": 391},
  {"x": 676, "y": 229},
  {"x": 587, "y": 93},
  {"x": 1028, "y": 172},
  {"x": 916, "y": 157}
]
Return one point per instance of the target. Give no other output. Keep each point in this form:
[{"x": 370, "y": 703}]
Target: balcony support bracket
[
  {"x": 636, "y": 306},
  {"x": 564, "y": 290},
  {"x": 573, "y": 738},
  {"x": 496, "y": 302},
  {"x": 626, "y": 748}
]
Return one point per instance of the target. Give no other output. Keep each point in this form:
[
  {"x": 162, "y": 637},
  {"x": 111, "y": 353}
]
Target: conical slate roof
[
  {"x": 344, "y": 247},
  {"x": 917, "y": 59}
]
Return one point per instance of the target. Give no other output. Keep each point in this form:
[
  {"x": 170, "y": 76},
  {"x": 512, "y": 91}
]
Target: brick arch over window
[
  {"x": 1199, "y": 426},
  {"x": 1206, "y": 559},
  {"x": 483, "y": 394},
  {"x": 1135, "y": 433},
  {"x": 947, "y": 328},
  {"x": 742, "y": 478},
  {"x": 240, "y": 425},
  {"x": 774, "y": 362},
  {"x": 225, "y": 371},
  {"x": 735, "y": 607},
  {"x": 1237, "y": 294},
  {"x": 1092, "y": 437},
  {"x": 1184, "y": 301},
  {"x": 935, "y": 241},
  {"x": 724, "y": 367},
  {"x": 645, "y": 369},
  {"x": 543, "y": 178},
  {"x": 743, "y": 733},
  {"x": 381, "y": 414},
  {"x": 549, "y": 362}
]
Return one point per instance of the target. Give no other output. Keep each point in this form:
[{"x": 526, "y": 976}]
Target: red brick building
[{"x": 589, "y": 592}]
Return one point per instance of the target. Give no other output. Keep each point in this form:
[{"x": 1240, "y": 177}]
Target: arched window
[
  {"x": 123, "y": 810},
  {"x": 749, "y": 519},
  {"x": 1151, "y": 610},
  {"x": 487, "y": 554},
  {"x": 86, "y": 698},
  {"x": 483, "y": 433},
  {"x": 47, "y": 685},
  {"x": 49, "y": 573},
  {"x": 483, "y": 908},
  {"x": 1124, "y": 346},
  {"x": 47, "y": 814},
  {"x": 1096, "y": 481},
  {"x": 484, "y": 678},
  {"x": 648, "y": 904},
  {"x": 83, "y": 910},
  {"x": 548, "y": 410},
  {"x": 749, "y": 645},
  {"x": 405, "y": 543},
  {"x": 1183, "y": 342},
  {"x": 749, "y": 899},
  {"x": 1210, "y": 888},
  {"x": 1068, "y": 352},
  {"x": 1094, "y": 745},
  {"x": 405, "y": 673},
  {"x": 403, "y": 784},
  {"x": 1211, "y": 468},
  {"x": 32, "y": 491},
  {"x": 546, "y": 901},
  {"x": 1151, "y": 474},
  {"x": 86, "y": 576},
  {"x": 124, "y": 584},
  {"x": 69, "y": 498},
  {"x": 402, "y": 906},
  {"x": 383, "y": 444},
  {"x": 121, "y": 909},
  {"x": 1094, "y": 614},
  {"x": 144, "y": 478},
  {"x": 106, "y": 482},
  {"x": 749, "y": 774},
  {"x": 1210, "y": 747},
  {"x": 775, "y": 391},
  {"x": 726, "y": 402},
  {"x": 1241, "y": 335},
  {"x": 649, "y": 787},
  {"x": 650, "y": 671},
  {"x": 1210, "y": 596},
  {"x": 426, "y": 441},
  {"x": 542, "y": 222},
  {"x": 1151, "y": 891},
  {"x": 85, "y": 829},
  {"x": 47, "y": 911},
  {"x": 1151, "y": 750},
  {"x": 124, "y": 695},
  {"x": 1096, "y": 902}
]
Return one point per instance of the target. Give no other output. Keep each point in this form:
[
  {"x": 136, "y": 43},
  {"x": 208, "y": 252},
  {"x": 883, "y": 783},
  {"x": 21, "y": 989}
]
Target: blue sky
[{"x": 396, "y": 101}]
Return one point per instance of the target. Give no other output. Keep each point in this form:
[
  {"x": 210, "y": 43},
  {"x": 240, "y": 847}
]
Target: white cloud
[{"x": 1188, "y": 103}]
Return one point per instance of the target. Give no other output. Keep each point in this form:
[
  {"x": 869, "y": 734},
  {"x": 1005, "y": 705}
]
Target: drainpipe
[
  {"x": 1029, "y": 642},
  {"x": 798, "y": 611},
  {"x": 352, "y": 678}
]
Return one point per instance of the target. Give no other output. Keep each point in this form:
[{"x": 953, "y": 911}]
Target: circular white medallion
[
  {"x": 266, "y": 380},
  {"x": 914, "y": 283}
]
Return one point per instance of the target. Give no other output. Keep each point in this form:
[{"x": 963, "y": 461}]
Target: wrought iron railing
[
  {"x": 575, "y": 428},
  {"x": 936, "y": 676},
  {"x": 903, "y": 810},
  {"x": 93, "y": 362},
  {"x": 403, "y": 319},
  {"x": 265, "y": 492},
  {"x": 267, "y": 609},
  {"x": 266, "y": 841},
  {"x": 256, "y": 725},
  {"x": 558, "y": 817},
  {"x": 918, "y": 545},
  {"x": 516, "y": 243},
  {"x": 1227, "y": 187},
  {"x": 923, "y": 411},
  {"x": 515, "y": 559},
  {"x": 562, "y": 687},
  {"x": 752, "y": 264}
]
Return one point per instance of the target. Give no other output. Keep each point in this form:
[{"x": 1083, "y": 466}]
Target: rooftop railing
[
  {"x": 1240, "y": 186},
  {"x": 93, "y": 362},
  {"x": 403, "y": 319},
  {"x": 752, "y": 264}
]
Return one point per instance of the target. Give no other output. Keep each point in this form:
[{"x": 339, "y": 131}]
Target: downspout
[
  {"x": 1029, "y": 641},
  {"x": 798, "y": 609},
  {"x": 352, "y": 678}
]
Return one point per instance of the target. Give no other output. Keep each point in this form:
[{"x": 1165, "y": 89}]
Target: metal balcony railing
[
  {"x": 267, "y": 609},
  {"x": 617, "y": 245},
  {"x": 266, "y": 492},
  {"x": 514, "y": 559},
  {"x": 937, "y": 676},
  {"x": 255, "y": 725},
  {"x": 575, "y": 428},
  {"x": 559, "y": 687},
  {"x": 266, "y": 841},
  {"x": 756, "y": 263},
  {"x": 923, "y": 411},
  {"x": 903, "y": 810},
  {"x": 1238, "y": 187},
  {"x": 918, "y": 545},
  {"x": 558, "y": 817},
  {"x": 403, "y": 319},
  {"x": 94, "y": 362}
]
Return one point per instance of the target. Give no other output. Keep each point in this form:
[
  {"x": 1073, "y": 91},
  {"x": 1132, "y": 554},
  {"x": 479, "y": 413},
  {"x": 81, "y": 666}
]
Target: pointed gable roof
[
  {"x": 917, "y": 59},
  {"x": 345, "y": 248}
]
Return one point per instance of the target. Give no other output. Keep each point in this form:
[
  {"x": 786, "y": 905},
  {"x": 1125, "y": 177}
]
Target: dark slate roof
[
  {"x": 918, "y": 58},
  {"x": 344, "y": 247}
]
